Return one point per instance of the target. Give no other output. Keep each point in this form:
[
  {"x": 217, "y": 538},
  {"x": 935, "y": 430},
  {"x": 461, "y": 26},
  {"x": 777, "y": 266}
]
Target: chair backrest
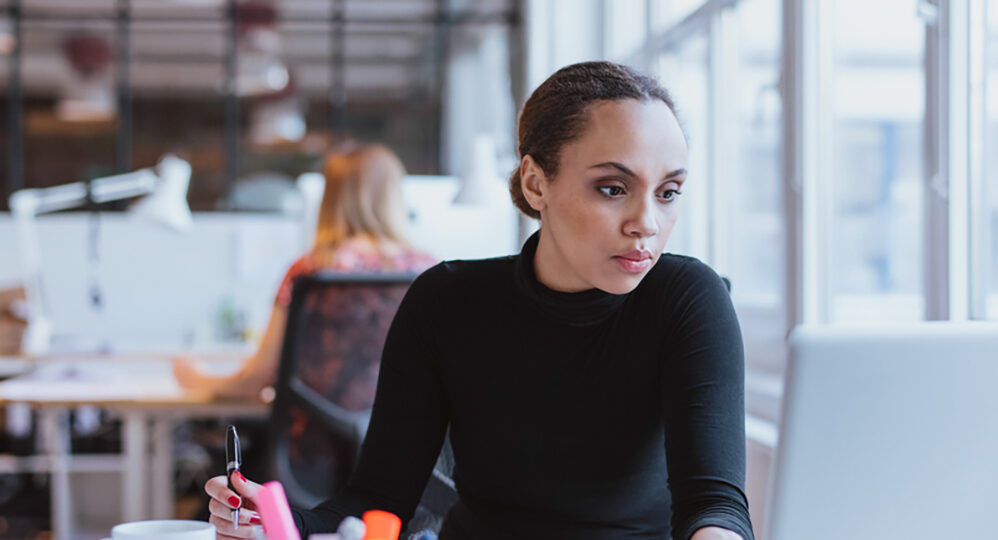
[{"x": 331, "y": 355}]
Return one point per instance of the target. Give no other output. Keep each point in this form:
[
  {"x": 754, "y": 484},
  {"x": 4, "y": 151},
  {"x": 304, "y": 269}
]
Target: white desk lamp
[
  {"x": 480, "y": 183},
  {"x": 166, "y": 203}
]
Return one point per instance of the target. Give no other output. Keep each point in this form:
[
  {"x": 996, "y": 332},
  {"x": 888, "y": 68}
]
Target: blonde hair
[{"x": 363, "y": 197}]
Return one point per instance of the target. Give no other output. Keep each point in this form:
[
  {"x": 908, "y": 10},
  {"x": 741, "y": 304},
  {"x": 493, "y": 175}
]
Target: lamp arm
[{"x": 110, "y": 188}]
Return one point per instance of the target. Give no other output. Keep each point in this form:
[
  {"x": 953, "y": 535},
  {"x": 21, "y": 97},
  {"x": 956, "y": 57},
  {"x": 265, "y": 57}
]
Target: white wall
[
  {"x": 159, "y": 288},
  {"x": 450, "y": 231},
  {"x": 167, "y": 290}
]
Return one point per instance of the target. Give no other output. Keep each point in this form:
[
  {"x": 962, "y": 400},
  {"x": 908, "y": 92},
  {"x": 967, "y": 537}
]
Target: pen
[{"x": 233, "y": 460}]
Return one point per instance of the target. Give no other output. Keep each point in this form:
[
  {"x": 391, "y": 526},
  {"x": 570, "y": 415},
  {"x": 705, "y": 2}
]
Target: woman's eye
[
  {"x": 611, "y": 191},
  {"x": 670, "y": 194}
]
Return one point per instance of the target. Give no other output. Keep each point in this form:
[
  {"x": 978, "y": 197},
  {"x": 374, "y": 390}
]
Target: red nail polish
[
  {"x": 241, "y": 477},
  {"x": 234, "y": 501},
  {"x": 255, "y": 520}
]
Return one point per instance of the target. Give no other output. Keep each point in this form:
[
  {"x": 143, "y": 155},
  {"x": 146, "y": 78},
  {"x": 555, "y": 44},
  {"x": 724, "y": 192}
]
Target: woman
[
  {"x": 360, "y": 229},
  {"x": 593, "y": 386}
]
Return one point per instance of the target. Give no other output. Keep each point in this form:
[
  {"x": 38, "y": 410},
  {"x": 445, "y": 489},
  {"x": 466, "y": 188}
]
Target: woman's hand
[
  {"x": 246, "y": 382},
  {"x": 224, "y": 501},
  {"x": 187, "y": 373}
]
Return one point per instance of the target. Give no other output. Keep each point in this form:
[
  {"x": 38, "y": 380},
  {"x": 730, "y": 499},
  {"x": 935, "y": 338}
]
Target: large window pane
[
  {"x": 756, "y": 230},
  {"x": 991, "y": 157},
  {"x": 754, "y": 234},
  {"x": 574, "y": 25},
  {"x": 684, "y": 72},
  {"x": 626, "y": 27},
  {"x": 665, "y": 13},
  {"x": 876, "y": 270}
]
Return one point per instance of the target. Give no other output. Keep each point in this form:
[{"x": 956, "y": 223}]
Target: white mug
[{"x": 163, "y": 529}]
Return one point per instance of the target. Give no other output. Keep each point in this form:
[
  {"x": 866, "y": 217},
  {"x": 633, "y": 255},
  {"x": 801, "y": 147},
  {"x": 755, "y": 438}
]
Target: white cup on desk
[{"x": 163, "y": 529}]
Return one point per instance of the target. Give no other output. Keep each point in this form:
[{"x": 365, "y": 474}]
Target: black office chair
[{"x": 331, "y": 355}]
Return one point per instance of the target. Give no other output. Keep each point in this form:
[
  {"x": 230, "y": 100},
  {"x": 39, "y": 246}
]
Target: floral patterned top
[{"x": 355, "y": 255}]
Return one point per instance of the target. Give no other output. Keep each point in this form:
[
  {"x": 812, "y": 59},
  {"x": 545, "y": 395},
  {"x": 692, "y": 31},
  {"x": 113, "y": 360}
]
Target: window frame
[{"x": 956, "y": 254}]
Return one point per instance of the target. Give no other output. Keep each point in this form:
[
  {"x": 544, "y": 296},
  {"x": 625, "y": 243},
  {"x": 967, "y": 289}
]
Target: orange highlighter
[{"x": 381, "y": 525}]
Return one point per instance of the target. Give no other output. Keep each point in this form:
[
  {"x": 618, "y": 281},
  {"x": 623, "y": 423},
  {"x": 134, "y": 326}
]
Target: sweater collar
[{"x": 582, "y": 308}]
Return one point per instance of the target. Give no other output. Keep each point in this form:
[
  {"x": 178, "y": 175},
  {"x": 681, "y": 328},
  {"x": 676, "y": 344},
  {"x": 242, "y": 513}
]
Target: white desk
[{"x": 142, "y": 392}]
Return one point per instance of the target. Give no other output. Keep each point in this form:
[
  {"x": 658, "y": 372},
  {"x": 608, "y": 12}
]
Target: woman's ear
[{"x": 532, "y": 182}]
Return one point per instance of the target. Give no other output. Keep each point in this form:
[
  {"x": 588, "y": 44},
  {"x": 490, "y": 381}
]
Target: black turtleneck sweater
[{"x": 573, "y": 415}]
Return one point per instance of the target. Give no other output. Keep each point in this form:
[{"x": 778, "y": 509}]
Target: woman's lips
[{"x": 634, "y": 262}]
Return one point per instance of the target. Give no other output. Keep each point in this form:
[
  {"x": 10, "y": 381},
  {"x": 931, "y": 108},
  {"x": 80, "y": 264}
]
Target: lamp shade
[
  {"x": 167, "y": 204},
  {"x": 480, "y": 183},
  {"x": 312, "y": 186}
]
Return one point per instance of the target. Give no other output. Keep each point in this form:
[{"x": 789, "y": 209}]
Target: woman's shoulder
[
  {"x": 471, "y": 272},
  {"x": 451, "y": 284},
  {"x": 674, "y": 272},
  {"x": 681, "y": 265}
]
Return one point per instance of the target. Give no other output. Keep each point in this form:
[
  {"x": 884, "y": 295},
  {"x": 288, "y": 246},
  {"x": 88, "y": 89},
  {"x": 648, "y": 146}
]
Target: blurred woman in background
[{"x": 361, "y": 229}]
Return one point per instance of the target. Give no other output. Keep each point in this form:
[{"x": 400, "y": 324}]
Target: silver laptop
[{"x": 888, "y": 433}]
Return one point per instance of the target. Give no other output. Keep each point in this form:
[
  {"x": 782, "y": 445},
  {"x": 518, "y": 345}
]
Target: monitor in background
[{"x": 888, "y": 433}]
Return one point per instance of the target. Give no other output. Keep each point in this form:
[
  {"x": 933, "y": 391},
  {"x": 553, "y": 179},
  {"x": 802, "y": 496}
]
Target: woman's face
[{"x": 606, "y": 216}]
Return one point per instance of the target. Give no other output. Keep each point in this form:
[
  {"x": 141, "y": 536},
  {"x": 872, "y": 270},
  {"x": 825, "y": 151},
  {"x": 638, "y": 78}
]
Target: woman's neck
[{"x": 552, "y": 269}]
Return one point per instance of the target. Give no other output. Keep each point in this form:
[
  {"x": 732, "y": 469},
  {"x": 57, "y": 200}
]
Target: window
[
  {"x": 875, "y": 267},
  {"x": 574, "y": 33},
  {"x": 684, "y": 72},
  {"x": 666, "y": 13},
  {"x": 627, "y": 26},
  {"x": 754, "y": 229},
  {"x": 723, "y": 69},
  {"x": 991, "y": 163}
]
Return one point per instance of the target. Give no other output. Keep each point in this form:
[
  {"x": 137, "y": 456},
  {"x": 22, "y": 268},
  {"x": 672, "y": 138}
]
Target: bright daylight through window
[{"x": 876, "y": 268}]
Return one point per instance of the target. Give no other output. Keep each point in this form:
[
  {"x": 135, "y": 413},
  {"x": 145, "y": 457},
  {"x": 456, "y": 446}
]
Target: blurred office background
[{"x": 844, "y": 166}]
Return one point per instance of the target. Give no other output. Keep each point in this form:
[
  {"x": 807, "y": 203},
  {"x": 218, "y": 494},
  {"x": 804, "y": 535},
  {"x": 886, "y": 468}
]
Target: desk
[{"x": 138, "y": 389}]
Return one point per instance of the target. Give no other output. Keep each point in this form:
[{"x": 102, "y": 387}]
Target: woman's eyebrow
[
  {"x": 675, "y": 173},
  {"x": 622, "y": 168},
  {"x": 614, "y": 165}
]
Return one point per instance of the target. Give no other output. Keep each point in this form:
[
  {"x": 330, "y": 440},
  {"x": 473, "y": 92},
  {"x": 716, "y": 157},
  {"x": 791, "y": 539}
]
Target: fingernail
[
  {"x": 255, "y": 520},
  {"x": 241, "y": 477},
  {"x": 234, "y": 501}
]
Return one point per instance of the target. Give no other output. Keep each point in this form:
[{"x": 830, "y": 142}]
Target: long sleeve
[
  {"x": 704, "y": 411},
  {"x": 407, "y": 425}
]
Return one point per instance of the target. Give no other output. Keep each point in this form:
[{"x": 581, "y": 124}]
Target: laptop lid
[{"x": 888, "y": 433}]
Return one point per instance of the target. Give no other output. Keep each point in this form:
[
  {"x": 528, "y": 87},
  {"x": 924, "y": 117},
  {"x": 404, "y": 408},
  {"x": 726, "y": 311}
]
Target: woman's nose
[{"x": 642, "y": 223}]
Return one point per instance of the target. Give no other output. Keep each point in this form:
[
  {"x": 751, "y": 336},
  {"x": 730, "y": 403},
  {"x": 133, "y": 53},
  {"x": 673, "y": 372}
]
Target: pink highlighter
[{"x": 275, "y": 513}]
